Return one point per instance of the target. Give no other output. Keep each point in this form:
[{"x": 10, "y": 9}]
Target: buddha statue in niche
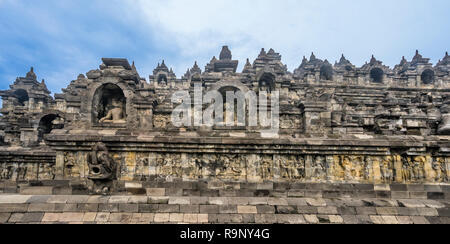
[{"x": 116, "y": 114}]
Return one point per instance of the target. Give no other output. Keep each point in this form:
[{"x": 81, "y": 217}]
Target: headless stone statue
[{"x": 116, "y": 115}]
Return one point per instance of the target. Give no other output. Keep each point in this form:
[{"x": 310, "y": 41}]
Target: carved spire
[
  {"x": 313, "y": 57},
  {"x": 445, "y": 60},
  {"x": 225, "y": 54},
  {"x": 305, "y": 60},
  {"x": 187, "y": 75},
  {"x": 404, "y": 61},
  {"x": 417, "y": 56},
  {"x": 343, "y": 60},
  {"x": 262, "y": 53},
  {"x": 195, "y": 69},
  {"x": 163, "y": 65},
  {"x": 31, "y": 74},
  {"x": 247, "y": 67}
]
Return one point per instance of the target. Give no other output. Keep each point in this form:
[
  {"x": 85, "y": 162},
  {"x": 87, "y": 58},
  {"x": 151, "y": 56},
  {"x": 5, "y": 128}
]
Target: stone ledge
[{"x": 22, "y": 209}]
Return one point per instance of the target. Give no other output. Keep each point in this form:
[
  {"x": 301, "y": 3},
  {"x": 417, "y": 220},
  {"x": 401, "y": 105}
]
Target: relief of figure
[
  {"x": 6, "y": 172},
  {"x": 230, "y": 166},
  {"x": 419, "y": 167},
  {"x": 21, "y": 172},
  {"x": 49, "y": 171},
  {"x": 164, "y": 166},
  {"x": 116, "y": 114},
  {"x": 386, "y": 169},
  {"x": 266, "y": 169},
  {"x": 141, "y": 166},
  {"x": 69, "y": 164},
  {"x": 439, "y": 169},
  {"x": 346, "y": 165},
  {"x": 102, "y": 169},
  {"x": 200, "y": 164},
  {"x": 318, "y": 166},
  {"x": 358, "y": 167},
  {"x": 101, "y": 164},
  {"x": 367, "y": 168},
  {"x": 407, "y": 169},
  {"x": 300, "y": 168},
  {"x": 177, "y": 169},
  {"x": 287, "y": 168}
]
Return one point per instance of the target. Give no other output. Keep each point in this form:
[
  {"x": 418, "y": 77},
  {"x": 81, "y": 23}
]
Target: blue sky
[{"x": 63, "y": 38}]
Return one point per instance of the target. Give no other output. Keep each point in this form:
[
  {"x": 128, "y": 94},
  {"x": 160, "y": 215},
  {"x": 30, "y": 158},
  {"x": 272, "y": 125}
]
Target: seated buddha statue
[{"x": 116, "y": 114}]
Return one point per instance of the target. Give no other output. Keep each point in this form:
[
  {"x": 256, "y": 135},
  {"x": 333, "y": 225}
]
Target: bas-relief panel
[
  {"x": 258, "y": 168},
  {"x": 27, "y": 171}
]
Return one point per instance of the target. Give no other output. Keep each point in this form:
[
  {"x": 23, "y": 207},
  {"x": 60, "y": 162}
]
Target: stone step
[
  {"x": 219, "y": 189},
  {"x": 148, "y": 209}
]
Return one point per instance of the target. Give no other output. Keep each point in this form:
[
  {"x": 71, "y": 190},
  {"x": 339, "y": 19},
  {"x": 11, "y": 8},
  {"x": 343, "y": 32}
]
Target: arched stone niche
[
  {"x": 267, "y": 82},
  {"x": 222, "y": 88},
  {"x": 48, "y": 123},
  {"x": 22, "y": 96},
  {"x": 427, "y": 77},
  {"x": 326, "y": 72},
  {"x": 109, "y": 105},
  {"x": 162, "y": 79},
  {"x": 377, "y": 75}
]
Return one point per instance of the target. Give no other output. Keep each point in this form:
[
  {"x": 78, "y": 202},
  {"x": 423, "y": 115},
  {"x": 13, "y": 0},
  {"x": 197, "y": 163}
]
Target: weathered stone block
[
  {"x": 209, "y": 209},
  {"x": 148, "y": 208},
  {"x": 41, "y": 207},
  {"x": 286, "y": 210},
  {"x": 128, "y": 208},
  {"x": 36, "y": 190},
  {"x": 108, "y": 207},
  {"x": 156, "y": 192},
  {"x": 166, "y": 208},
  {"x": 247, "y": 209},
  {"x": 189, "y": 209}
]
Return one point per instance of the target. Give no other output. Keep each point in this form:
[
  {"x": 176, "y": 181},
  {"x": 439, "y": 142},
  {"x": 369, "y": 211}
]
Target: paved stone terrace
[{"x": 264, "y": 204}]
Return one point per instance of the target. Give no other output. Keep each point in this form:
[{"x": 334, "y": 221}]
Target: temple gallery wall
[{"x": 338, "y": 123}]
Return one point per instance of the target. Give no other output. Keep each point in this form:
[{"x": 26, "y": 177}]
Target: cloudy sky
[{"x": 63, "y": 38}]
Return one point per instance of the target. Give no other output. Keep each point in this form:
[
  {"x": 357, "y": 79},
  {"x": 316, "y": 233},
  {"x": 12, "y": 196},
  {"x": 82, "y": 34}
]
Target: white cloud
[
  {"x": 66, "y": 37},
  {"x": 292, "y": 27}
]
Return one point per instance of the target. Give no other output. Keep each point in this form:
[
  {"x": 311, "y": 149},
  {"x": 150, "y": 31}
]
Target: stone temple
[{"x": 366, "y": 144}]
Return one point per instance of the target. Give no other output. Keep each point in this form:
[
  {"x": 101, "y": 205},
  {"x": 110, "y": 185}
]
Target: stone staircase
[{"x": 234, "y": 203}]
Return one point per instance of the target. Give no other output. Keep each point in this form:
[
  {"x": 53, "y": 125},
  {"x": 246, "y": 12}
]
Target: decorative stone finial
[
  {"x": 373, "y": 60},
  {"x": 225, "y": 54},
  {"x": 262, "y": 53},
  {"x": 31, "y": 74}
]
